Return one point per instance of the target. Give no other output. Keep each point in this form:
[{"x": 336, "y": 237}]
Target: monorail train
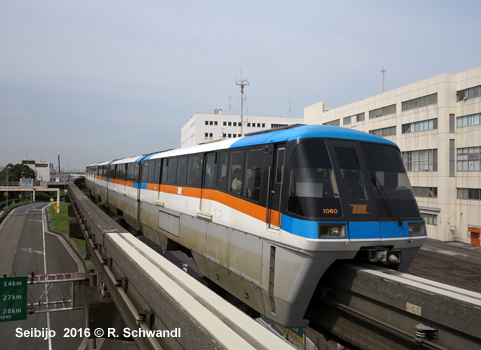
[{"x": 265, "y": 215}]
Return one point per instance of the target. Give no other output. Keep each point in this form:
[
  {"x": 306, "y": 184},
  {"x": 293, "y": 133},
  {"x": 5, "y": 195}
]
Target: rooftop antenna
[
  {"x": 242, "y": 83},
  {"x": 383, "y": 71}
]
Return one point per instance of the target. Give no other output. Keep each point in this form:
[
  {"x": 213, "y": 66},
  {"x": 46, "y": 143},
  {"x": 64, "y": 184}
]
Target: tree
[{"x": 16, "y": 172}]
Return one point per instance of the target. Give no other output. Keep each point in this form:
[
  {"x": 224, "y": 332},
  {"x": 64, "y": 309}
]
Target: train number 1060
[{"x": 330, "y": 211}]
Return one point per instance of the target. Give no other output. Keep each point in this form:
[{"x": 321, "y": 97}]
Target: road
[{"x": 26, "y": 247}]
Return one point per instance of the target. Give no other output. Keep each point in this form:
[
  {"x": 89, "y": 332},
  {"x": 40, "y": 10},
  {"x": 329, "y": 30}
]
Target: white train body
[{"x": 270, "y": 242}]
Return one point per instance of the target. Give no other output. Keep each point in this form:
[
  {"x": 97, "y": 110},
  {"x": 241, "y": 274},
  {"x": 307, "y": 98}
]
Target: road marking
[{"x": 30, "y": 250}]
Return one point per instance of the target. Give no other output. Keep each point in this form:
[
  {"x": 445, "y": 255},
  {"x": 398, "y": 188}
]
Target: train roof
[
  {"x": 290, "y": 133},
  {"x": 307, "y": 131}
]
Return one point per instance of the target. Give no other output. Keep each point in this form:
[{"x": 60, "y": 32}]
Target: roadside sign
[
  {"x": 26, "y": 182},
  {"x": 13, "y": 298},
  {"x": 51, "y": 199},
  {"x": 56, "y": 207},
  {"x": 6, "y": 194}
]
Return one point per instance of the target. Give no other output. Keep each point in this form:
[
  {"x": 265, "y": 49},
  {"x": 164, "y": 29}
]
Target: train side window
[
  {"x": 222, "y": 178},
  {"x": 236, "y": 171},
  {"x": 151, "y": 177},
  {"x": 145, "y": 171},
  {"x": 112, "y": 173},
  {"x": 165, "y": 163},
  {"x": 158, "y": 164},
  {"x": 253, "y": 164},
  {"x": 182, "y": 171},
  {"x": 172, "y": 171},
  {"x": 280, "y": 164},
  {"x": 119, "y": 173},
  {"x": 136, "y": 173},
  {"x": 193, "y": 171},
  {"x": 209, "y": 170},
  {"x": 128, "y": 171}
]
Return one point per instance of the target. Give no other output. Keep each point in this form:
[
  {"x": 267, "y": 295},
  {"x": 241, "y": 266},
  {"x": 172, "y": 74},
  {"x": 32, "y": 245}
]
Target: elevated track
[{"x": 377, "y": 308}]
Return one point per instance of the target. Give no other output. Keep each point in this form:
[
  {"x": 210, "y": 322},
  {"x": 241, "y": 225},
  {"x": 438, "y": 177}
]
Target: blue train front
[{"x": 264, "y": 216}]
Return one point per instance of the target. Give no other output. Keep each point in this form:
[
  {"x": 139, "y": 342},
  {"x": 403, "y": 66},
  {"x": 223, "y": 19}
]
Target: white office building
[
  {"x": 204, "y": 127},
  {"x": 43, "y": 170},
  {"x": 437, "y": 125}
]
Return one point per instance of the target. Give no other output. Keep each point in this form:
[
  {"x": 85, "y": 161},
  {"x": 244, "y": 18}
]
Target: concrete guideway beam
[
  {"x": 378, "y": 308},
  {"x": 138, "y": 279}
]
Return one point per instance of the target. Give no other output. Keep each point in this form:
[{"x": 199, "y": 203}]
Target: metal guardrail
[{"x": 377, "y": 308}]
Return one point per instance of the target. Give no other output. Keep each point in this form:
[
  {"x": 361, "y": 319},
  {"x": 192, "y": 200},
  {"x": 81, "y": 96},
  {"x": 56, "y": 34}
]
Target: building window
[
  {"x": 206, "y": 122},
  {"x": 375, "y": 113},
  {"x": 425, "y": 192},
  {"x": 420, "y": 102},
  {"x": 384, "y": 131},
  {"x": 263, "y": 125},
  {"x": 469, "y": 193},
  {"x": 358, "y": 117},
  {"x": 248, "y": 125},
  {"x": 235, "y": 123},
  {"x": 422, "y": 160},
  {"x": 258, "y": 125},
  {"x": 424, "y": 125},
  {"x": 215, "y": 123},
  {"x": 230, "y": 123},
  {"x": 431, "y": 219},
  {"x": 469, "y": 120},
  {"x": 468, "y": 93},
  {"x": 336, "y": 122},
  {"x": 469, "y": 159},
  {"x": 224, "y": 123},
  {"x": 277, "y": 126}
]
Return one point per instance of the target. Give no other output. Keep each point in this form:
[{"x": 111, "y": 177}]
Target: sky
[{"x": 99, "y": 80}]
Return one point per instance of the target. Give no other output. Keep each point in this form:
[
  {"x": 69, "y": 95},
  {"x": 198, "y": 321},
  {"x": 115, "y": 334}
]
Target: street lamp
[{"x": 6, "y": 197}]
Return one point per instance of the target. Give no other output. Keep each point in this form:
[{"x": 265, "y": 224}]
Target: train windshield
[
  {"x": 381, "y": 190},
  {"x": 313, "y": 190},
  {"x": 391, "y": 188}
]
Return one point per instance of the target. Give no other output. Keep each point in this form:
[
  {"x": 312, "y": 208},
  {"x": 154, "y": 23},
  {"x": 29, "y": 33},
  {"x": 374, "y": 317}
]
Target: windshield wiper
[{"x": 385, "y": 198}]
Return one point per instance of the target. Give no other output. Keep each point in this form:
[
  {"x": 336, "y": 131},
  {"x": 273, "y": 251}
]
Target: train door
[
  {"x": 208, "y": 171},
  {"x": 354, "y": 193},
  {"x": 275, "y": 183}
]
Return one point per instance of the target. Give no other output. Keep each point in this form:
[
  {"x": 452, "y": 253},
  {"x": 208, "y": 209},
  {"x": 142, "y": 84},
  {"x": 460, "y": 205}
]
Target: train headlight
[
  {"x": 332, "y": 231},
  {"x": 416, "y": 229}
]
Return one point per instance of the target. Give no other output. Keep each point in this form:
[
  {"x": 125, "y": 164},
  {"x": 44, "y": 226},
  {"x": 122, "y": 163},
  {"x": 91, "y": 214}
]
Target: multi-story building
[
  {"x": 203, "y": 127},
  {"x": 437, "y": 124},
  {"x": 42, "y": 169}
]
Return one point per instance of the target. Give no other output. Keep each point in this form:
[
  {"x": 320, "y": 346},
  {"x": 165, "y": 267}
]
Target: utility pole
[{"x": 242, "y": 83}]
